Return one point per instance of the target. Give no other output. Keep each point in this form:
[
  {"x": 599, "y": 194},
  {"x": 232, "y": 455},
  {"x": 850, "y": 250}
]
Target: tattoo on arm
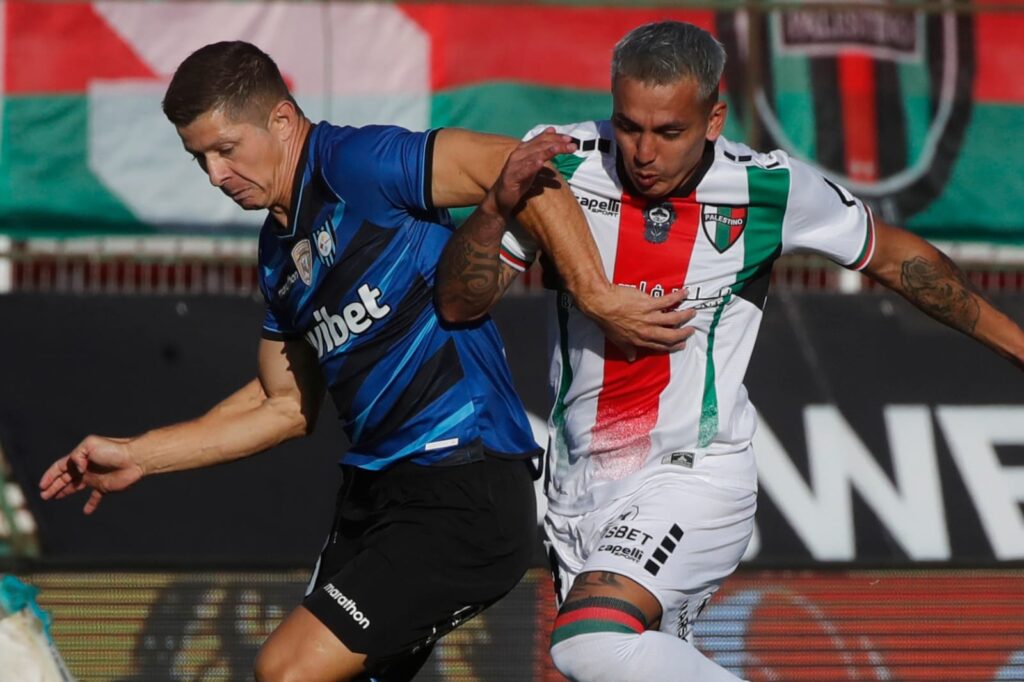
[
  {"x": 584, "y": 583},
  {"x": 478, "y": 275},
  {"x": 942, "y": 290}
]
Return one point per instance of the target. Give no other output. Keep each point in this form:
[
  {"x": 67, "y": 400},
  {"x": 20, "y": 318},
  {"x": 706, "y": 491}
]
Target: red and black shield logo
[{"x": 877, "y": 97}]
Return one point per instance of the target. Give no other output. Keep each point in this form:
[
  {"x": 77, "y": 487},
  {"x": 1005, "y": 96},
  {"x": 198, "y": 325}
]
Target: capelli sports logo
[
  {"x": 609, "y": 207},
  {"x": 348, "y": 605}
]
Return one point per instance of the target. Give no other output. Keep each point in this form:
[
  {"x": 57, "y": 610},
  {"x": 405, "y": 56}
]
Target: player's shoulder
[
  {"x": 730, "y": 153},
  {"x": 584, "y": 132},
  {"x": 329, "y": 138},
  {"x": 587, "y": 169}
]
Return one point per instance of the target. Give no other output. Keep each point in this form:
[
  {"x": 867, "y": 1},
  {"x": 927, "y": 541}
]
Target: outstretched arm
[
  {"x": 931, "y": 281},
  {"x": 471, "y": 276},
  {"x": 279, "y": 405}
]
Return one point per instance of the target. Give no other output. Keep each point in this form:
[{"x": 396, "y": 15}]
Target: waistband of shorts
[{"x": 600, "y": 495}]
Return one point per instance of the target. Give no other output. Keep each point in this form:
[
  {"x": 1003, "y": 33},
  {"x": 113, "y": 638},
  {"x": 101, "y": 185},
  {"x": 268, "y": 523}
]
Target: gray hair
[{"x": 663, "y": 52}]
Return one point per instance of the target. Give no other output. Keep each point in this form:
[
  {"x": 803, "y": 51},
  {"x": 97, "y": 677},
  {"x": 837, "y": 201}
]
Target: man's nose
[
  {"x": 645, "y": 149},
  {"x": 217, "y": 171}
]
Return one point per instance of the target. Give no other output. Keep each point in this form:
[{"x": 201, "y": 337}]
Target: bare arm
[
  {"x": 931, "y": 281},
  {"x": 472, "y": 278},
  {"x": 281, "y": 404}
]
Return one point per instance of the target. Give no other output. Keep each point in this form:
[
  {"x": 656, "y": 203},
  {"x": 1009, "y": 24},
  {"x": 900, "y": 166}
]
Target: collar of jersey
[{"x": 303, "y": 174}]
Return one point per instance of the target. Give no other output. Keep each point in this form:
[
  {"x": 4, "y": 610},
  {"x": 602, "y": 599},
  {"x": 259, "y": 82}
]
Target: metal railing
[{"x": 227, "y": 266}]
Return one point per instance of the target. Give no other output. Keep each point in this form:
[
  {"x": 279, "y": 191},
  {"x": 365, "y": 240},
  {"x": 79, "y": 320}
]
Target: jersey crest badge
[
  {"x": 324, "y": 239},
  {"x": 303, "y": 258},
  {"x": 723, "y": 225},
  {"x": 658, "y": 220}
]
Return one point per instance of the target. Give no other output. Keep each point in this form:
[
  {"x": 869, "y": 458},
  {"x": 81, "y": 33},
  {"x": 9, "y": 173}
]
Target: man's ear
[
  {"x": 716, "y": 120},
  {"x": 283, "y": 120}
]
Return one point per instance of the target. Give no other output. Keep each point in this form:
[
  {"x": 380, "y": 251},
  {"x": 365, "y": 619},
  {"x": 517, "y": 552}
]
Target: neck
[{"x": 282, "y": 207}]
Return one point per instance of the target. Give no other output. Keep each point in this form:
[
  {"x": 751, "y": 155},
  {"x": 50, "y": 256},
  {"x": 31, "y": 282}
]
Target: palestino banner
[{"x": 914, "y": 110}]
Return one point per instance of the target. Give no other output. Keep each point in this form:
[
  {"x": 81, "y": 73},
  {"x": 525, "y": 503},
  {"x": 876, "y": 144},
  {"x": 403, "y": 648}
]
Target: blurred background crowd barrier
[{"x": 890, "y": 531}]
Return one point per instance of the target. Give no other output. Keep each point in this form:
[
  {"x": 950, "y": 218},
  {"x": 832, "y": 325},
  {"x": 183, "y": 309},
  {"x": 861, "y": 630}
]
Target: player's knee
[
  {"x": 267, "y": 667},
  {"x": 274, "y": 665},
  {"x": 595, "y": 656}
]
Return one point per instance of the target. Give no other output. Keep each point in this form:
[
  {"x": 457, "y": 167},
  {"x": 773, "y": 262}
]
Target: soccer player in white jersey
[{"x": 651, "y": 480}]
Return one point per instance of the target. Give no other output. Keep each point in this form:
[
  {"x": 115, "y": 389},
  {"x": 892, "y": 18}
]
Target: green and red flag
[{"x": 918, "y": 113}]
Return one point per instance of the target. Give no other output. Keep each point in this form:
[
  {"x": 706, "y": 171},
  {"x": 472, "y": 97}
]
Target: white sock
[{"x": 630, "y": 657}]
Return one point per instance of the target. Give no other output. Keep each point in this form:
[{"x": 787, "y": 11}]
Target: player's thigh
[
  {"x": 669, "y": 545},
  {"x": 441, "y": 546},
  {"x": 303, "y": 648}
]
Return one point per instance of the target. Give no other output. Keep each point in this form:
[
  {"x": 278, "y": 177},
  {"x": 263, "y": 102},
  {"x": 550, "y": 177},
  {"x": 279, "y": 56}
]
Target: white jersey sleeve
[
  {"x": 824, "y": 218},
  {"x": 518, "y": 248}
]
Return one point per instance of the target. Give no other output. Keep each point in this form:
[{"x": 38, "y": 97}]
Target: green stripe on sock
[{"x": 586, "y": 627}]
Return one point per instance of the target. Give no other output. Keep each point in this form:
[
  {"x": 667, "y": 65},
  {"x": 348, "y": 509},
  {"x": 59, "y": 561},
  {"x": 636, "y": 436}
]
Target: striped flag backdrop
[{"x": 919, "y": 113}]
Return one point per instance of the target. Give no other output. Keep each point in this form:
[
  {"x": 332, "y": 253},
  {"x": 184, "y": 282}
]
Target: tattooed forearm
[
  {"x": 942, "y": 290},
  {"x": 470, "y": 275},
  {"x": 473, "y": 271}
]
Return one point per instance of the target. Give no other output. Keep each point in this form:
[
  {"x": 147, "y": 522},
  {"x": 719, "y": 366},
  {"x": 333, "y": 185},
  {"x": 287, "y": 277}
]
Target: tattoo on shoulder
[
  {"x": 600, "y": 579},
  {"x": 942, "y": 290}
]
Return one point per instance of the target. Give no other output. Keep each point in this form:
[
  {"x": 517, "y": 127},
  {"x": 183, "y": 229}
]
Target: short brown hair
[{"x": 236, "y": 77}]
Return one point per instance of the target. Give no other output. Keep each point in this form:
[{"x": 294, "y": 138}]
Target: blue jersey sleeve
[
  {"x": 386, "y": 162},
  {"x": 273, "y": 330}
]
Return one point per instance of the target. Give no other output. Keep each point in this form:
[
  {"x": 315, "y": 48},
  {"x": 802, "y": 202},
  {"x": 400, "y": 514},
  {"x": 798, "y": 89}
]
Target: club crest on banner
[
  {"x": 723, "y": 225},
  {"x": 878, "y": 98},
  {"x": 658, "y": 220}
]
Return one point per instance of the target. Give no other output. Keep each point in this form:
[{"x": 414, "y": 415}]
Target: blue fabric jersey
[{"x": 354, "y": 277}]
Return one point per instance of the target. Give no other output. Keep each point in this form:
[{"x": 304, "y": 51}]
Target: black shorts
[{"x": 416, "y": 550}]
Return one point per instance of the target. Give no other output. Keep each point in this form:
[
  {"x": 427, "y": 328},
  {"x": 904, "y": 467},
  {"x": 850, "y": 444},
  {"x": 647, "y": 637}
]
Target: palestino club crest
[
  {"x": 658, "y": 219},
  {"x": 723, "y": 225},
  {"x": 876, "y": 97}
]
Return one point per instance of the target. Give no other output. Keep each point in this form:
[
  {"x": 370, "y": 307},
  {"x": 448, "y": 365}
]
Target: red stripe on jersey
[
  {"x": 627, "y": 407},
  {"x": 860, "y": 129},
  {"x": 600, "y": 613}
]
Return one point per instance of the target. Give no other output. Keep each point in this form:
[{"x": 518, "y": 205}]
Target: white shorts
[{"x": 676, "y": 535}]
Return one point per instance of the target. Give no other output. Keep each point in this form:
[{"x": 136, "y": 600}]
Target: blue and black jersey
[{"x": 354, "y": 276}]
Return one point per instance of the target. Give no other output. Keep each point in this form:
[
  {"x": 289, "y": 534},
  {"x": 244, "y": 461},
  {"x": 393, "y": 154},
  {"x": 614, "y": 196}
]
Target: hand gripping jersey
[
  {"x": 614, "y": 421},
  {"x": 354, "y": 278}
]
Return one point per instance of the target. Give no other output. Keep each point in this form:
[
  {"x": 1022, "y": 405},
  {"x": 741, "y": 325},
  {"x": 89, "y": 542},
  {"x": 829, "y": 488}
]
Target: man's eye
[{"x": 625, "y": 126}]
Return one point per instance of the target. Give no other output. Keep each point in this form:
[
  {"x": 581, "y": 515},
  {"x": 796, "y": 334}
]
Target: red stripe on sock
[{"x": 599, "y": 613}]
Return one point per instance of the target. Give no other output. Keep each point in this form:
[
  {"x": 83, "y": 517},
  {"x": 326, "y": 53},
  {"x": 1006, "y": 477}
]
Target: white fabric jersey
[{"x": 718, "y": 236}]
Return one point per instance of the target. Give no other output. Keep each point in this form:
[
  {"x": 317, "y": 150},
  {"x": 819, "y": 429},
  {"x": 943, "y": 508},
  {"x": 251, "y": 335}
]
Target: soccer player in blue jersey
[{"x": 436, "y": 517}]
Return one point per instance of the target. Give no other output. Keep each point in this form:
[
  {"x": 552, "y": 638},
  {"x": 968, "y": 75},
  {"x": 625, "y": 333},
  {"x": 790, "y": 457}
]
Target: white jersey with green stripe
[{"x": 614, "y": 422}]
